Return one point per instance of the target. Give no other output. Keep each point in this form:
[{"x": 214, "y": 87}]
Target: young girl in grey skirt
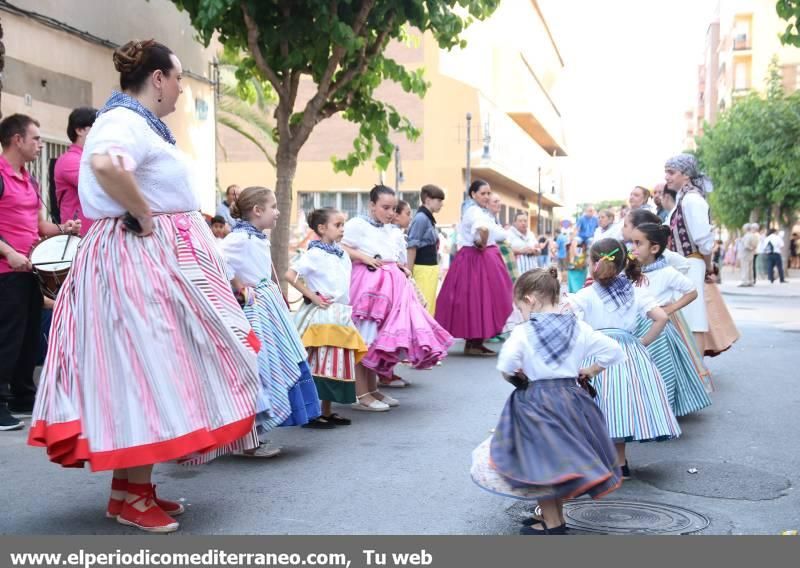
[{"x": 551, "y": 443}]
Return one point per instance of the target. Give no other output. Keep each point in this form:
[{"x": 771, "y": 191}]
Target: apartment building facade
[
  {"x": 58, "y": 56},
  {"x": 506, "y": 79}
]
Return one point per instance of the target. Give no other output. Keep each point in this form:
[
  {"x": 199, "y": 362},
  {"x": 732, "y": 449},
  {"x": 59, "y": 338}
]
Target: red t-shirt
[
  {"x": 19, "y": 212},
  {"x": 66, "y": 179}
]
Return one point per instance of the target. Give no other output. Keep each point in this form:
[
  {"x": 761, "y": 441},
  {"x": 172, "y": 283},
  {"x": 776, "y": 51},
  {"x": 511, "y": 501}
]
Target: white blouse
[
  {"x": 326, "y": 274},
  {"x": 666, "y": 285},
  {"x": 518, "y": 241},
  {"x": 360, "y": 234},
  {"x": 519, "y": 353},
  {"x": 247, "y": 257},
  {"x": 597, "y": 314},
  {"x": 474, "y": 219},
  {"x": 401, "y": 243},
  {"x": 161, "y": 170},
  {"x": 613, "y": 231}
]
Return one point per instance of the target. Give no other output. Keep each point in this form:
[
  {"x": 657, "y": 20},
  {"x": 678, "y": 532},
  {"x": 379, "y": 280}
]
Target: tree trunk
[{"x": 286, "y": 170}]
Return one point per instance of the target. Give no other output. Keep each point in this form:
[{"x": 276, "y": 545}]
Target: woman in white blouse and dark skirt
[
  {"x": 475, "y": 300},
  {"x": 150, "y": 359}
]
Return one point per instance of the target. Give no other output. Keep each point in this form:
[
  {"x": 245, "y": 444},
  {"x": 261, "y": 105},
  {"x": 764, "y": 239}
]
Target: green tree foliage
[
  {"x": 753, "y": 155},
  {"x": 245, "y": 106},
  {"x": 339, "y": 45},
  {"x": 789, "y": 10}
]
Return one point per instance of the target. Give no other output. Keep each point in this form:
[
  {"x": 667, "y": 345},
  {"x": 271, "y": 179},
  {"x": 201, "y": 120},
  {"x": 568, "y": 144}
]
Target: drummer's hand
[
  {"x": 19, "y": 262},
  {"x": 72, "y": 227}
]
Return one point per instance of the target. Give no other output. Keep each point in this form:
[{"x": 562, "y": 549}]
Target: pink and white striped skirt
[{"x": 150, "y": 357}]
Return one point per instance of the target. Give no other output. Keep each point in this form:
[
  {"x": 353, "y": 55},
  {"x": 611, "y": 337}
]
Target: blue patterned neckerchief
[
  {"x": 329, "y": 248},
  {"x": 555, "y": 335},
  {"x": 118, "y": 99},
  {"x": 657, "y": 265},
  {"x": 243, "y": 226},
  {"x": 372, "y": 221},
  {"x": 617, "y": 294}
]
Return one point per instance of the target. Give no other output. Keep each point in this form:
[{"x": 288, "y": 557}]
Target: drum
[{"x": 51, "y": 260}]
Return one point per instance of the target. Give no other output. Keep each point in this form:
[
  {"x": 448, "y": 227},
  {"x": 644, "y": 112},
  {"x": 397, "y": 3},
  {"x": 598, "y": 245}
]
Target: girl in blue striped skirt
[
  {"x": 288, "y": 396},
  {"x": 672, "y": 290},
  {"x": 632, "y": 395}
]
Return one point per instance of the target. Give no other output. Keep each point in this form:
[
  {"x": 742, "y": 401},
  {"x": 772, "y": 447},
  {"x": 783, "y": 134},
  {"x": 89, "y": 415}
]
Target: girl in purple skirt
[{"x": 551, "y": 443}]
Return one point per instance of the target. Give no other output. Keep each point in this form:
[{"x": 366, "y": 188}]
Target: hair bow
[{"x": 609, "y": 256}]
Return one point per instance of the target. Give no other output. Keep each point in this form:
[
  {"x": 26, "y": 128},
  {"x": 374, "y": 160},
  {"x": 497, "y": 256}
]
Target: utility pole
[
  {"x": 539, "y": 212},
  {"x": 469, "y": 151}
]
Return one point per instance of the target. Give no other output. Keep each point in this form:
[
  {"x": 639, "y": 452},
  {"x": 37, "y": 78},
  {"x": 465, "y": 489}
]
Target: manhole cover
[{"x": 630, "y": 517}]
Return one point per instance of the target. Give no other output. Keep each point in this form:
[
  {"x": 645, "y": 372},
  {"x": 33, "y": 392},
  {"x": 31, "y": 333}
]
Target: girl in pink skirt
[
  {"x": 475, "y": 300},
  {"x": 386, "y": 310},
  {"x": 150, "y": 358}
]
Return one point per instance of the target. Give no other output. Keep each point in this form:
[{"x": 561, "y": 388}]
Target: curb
[{"x": 759, "y": 295}]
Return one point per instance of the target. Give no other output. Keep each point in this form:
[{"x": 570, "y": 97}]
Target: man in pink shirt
[
  {"x": 66, "y": 173},
  {"x": 22, "y": 222}
]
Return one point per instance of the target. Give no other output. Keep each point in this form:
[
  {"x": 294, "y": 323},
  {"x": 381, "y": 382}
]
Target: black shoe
[
  {"x": 541, "y": 529},
  {"x": 337, "y": 420},
  {"x": 626, "y": 472},
  {"x": 8, "y": 422},
  {"x": 320, "y": 424},
  {"x": 21, "y": 405}
]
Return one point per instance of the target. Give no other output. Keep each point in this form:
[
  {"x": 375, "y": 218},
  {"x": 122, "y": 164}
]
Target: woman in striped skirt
[
  {"x": 286, "y": 380},
  {"x": 632, "y": 395},
  {"x": 150, "y": 358},
  {"x": 672, "y": 290}
]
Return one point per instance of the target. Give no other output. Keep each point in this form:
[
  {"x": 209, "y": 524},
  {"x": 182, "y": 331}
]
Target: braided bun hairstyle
[
  {"x": 137, "y": 60},
  {"x": 249, "y": 198},
  {"x": 540, "y": 282},
  {"x": 609, "y": 259}
]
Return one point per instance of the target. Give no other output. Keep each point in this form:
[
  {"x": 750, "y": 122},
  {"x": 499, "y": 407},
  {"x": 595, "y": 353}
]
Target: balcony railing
[{"x": 741, "y": 43}]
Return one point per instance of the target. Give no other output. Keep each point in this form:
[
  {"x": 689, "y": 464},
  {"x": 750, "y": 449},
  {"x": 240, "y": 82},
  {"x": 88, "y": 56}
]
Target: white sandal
[
  {"x": 264, "y": 450},
  {"x": 386, "y": 399},
  {"x": 374, "y": 406}
]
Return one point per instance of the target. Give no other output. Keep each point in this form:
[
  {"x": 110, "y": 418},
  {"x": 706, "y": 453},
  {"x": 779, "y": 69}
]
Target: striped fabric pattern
[
  {"x": 150, "y": 358},
  {"x": 509, "y": 260},
  {"x": 332, "y": 361},
  {"x": 526, "y": 262},
  {"x": 682, "y": 327},
  {"x": 632, "y": 395},
  {"x": 282, "y": 364},
  {"x": 685, "y": 388}
]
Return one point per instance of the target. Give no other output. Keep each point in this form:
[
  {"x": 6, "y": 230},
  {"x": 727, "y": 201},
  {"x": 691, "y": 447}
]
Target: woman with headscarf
[{"x": 693, "y": 237}]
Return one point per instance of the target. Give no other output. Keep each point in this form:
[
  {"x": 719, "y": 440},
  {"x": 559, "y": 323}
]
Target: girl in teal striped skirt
[
  {"x": 632, "y": 394},
  {"x": 672, "y": 290}
]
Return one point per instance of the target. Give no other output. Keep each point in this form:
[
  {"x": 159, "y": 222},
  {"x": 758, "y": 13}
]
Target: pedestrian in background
[
  {"x": 562, "y": 254},
  {"x": 224, "y": 208},
  {"x": 749, "y": 244},
  {"x": 65, "y": 176},
  {"x": 587, "y": 225},
  {"x": 773, "y": 249},
  {"x": 523, "y": 243},
  {"x": 423, "y": 244}
]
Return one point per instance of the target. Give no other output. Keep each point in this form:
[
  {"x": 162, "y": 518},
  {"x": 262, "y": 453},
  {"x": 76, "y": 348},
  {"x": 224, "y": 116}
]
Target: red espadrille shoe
[
  {"x": 171, "y": 508},
  {"x": 152, "y": 519}
]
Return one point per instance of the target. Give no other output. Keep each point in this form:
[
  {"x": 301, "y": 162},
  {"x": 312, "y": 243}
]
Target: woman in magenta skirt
[{"x": 475, "y": 300}]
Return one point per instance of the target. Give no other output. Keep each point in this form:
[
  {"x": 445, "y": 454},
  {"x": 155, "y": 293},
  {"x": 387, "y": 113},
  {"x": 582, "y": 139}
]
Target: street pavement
[{"x": 407, "y": 471}]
